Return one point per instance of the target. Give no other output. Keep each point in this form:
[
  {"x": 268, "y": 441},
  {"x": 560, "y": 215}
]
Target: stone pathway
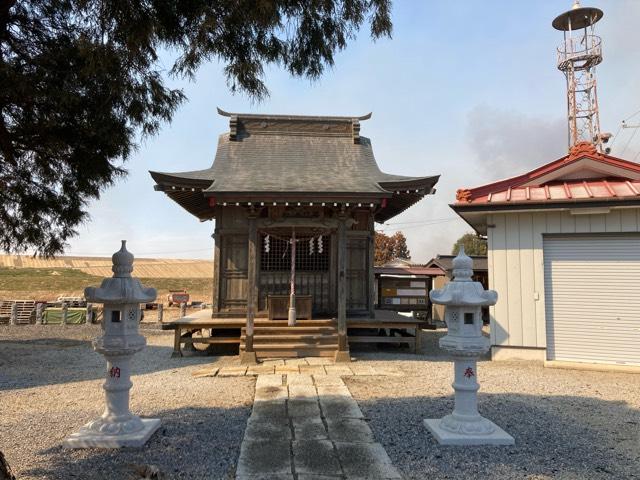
[
  {"x": 315, "y": 366},
  {"x": 309, "y": 427}
]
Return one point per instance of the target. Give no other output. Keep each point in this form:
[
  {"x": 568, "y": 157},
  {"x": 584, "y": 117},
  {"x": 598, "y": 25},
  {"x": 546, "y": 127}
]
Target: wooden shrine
[{"x": 294, "y": 199}]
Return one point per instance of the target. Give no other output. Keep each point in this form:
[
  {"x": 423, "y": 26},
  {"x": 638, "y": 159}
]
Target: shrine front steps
[{"x": 309, "y": 338}]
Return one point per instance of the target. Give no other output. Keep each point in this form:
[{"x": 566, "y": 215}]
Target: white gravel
[
  {"x": 571, "y": 425},
  {"x": 568, "y": 424},
  {"x": 51, "y": 384}
]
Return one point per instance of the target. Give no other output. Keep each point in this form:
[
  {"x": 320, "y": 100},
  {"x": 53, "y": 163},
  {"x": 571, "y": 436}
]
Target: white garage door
[{"x": 592, "y": 298}]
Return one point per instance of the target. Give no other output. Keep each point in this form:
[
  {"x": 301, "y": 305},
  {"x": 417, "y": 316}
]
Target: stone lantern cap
[
  {"x": 121, "y": 288},
  {"x": 462, "y": 290}
]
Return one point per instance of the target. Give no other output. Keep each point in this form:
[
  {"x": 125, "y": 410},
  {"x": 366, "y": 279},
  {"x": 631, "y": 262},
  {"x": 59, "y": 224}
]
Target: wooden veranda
[{"x": 200, "y": 328}]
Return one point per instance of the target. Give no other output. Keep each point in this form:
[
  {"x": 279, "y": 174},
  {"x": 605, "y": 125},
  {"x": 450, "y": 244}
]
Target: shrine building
[{"x": 295, "y": 200}]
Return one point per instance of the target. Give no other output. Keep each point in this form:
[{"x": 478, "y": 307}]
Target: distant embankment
[{"x": 101, "y": 266}]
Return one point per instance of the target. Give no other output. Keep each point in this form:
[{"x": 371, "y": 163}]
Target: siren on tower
[{"x": 578, "y": 56}]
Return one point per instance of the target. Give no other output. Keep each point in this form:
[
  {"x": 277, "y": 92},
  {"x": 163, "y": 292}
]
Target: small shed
[
  {"x": 564, "y": 257},
  {"x": 404, "y": 287}
]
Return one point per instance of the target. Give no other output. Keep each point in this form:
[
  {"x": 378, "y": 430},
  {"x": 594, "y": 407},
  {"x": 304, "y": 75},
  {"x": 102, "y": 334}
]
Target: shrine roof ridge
[{"x": 318, "y": 118}]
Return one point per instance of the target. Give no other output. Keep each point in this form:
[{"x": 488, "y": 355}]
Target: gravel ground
[
  {"x": 50, "y": 385},
  {"x": 567, "y": 424}
]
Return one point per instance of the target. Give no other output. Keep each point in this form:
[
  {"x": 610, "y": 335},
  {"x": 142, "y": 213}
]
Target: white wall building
[{"x": 564, "y": 257}]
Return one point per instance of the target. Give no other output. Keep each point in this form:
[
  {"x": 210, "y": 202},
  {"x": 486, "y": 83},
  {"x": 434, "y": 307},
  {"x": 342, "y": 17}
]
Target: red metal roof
[
  {"x": 618, "y": 179},
  {"x": 426, "y": 271}
]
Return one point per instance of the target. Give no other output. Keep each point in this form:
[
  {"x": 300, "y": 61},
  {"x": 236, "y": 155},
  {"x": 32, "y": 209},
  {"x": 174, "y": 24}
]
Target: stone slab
[
  {"x": 340, "y": 407},
  {"x": 299, "y": 379},
  {"x": 312, "y": 369},
  {"x": 205, "y": 372},
  {"x": 319, "y": 361},
  {"x": 295, "y": 361},
  {"x": 303, "y": 407},
  {"x": 248, "y": 358},
  {"x": 282, "y": 476},
  {"x": 269, "y": 381},
  {"x": 305, "y": 476},
  {"x": 264, "y": 457},
  {"x": 309, "y": 428},
  {"x": 232, "y": 371},
  {"x": 340, "y": 370},
  {"x": 266, "y": 428},
  {"x": 287, "y": 369},
  {"x": 324, "y": 380},
  {"x": 303, "y": 391},
  {"x": 315, "y": 457},
  {"x": 354, "y": 430},
  {"x": 342, "y": 357},
  {"x": 274, "y": 408},
  {"x": 444, "y": 437},
  {"x": 83, "y": 439},
  {"x": 366, "y": 461},
  {"x": 271, "y": 393},
  {"x": 333, "y": 391},
  {"x": 261, "y": 369},
  {"x": 273, "y": 361}
]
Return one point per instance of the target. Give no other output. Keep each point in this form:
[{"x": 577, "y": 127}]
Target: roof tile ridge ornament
[
  {"x": 583, "y": 149},
  {"x": 463, "y": 195},
  {"x": 355, "y": 130},
  {"x": 233, "y": 127}
]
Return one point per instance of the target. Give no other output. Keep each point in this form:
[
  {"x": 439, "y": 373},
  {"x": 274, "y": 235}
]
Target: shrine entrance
[{"x": 307, "y": 276}]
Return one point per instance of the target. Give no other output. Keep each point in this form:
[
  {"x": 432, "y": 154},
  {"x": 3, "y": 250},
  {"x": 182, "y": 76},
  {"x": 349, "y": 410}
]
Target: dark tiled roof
[
  {"x": 272, "y": 156},
  {"x": 445, "y": 262}
]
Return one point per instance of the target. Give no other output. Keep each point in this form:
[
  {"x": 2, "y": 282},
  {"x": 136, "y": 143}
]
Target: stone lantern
[
  {"x": 463, "y": 299},
  {"x": 120, "y": 340}
]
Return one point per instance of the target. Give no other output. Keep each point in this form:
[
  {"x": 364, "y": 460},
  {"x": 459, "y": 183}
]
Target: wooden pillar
[
  {"x": 65, "y": 312},
  {"x": 183, "y": 309},
  {"x": 160, "y": 312},
  {"x": 215, "y": 297},
  {"x": 342, "y": 355},
  {"x": 371, "y": 275},
  {"x": 249, "y": 355},
  {"x": 89, "y": 314},
  {"x": 177, "y": 338},
  {"x": 39, "y": 311}
]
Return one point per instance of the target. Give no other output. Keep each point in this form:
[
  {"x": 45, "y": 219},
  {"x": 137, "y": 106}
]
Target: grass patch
[{"x": 50, "y": 283}]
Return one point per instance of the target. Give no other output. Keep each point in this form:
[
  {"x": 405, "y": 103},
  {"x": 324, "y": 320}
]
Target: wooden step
[
  {"x": 307, "y": 339},
  {"x": 297, "y": 353},
  {"x": 276, "y": 339},
  {"x": 291, "y": 330},
  {"x": 299, "y": 323},
  {"x": 287, "y": 352}
]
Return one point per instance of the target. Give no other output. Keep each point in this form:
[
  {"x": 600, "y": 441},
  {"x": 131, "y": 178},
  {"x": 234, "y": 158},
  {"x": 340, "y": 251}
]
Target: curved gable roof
[{"x": 268, "y": 157}]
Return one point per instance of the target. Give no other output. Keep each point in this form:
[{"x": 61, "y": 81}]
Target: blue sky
[{"x": 466, "y": 89}]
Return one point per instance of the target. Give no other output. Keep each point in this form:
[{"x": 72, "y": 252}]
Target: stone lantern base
[
  {"x": 88, "y": 438},
  {"x": 445, "y": 437}
]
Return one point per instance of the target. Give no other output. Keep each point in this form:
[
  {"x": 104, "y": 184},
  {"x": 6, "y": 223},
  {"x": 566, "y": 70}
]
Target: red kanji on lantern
[
  {"x": 469, "y": 372},
  {"x": 114, "y": 372}
]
